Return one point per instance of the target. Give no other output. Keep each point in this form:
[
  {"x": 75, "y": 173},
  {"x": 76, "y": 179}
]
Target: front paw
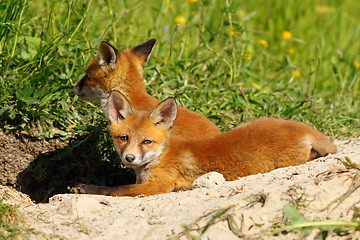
[
  {"x": 80, "y": 188},
  {"x": 90, "y": 189}
]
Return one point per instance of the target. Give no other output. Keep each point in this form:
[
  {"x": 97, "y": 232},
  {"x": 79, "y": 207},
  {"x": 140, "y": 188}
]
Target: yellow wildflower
[
  {"x": 246, "y": 56},
  {"x": 241, "y": 13},
  {"x": 192, "y": 1},
  {"x": 324, "y": 9},
  {"x": 295, "y": 73},
  {"x": 286, "y": 35},
  {"x": 263, "y": 42},
  {"x": 180, "y": 20},
  {"x": 166, "y": 59},
  {"x": 170, "y": 5},
  {"x": 290, "y": 51},
  {"x": 232, "y": 31},
  {"x": 356, "y": 64}
]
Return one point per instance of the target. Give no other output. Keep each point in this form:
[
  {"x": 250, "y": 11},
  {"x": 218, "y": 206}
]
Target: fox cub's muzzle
[
  {"x": 78, "y": 86},
  {"x": 76, "y": 89}
]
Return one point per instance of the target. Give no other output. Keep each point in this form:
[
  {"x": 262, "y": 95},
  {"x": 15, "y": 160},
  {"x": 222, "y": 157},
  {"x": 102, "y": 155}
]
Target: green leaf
[
  {"x": 24, "y": 94},
  {"x": 293, "y": 214},
  {"x": 29, "y": 47},
  {"x": 295, "y": 217}
]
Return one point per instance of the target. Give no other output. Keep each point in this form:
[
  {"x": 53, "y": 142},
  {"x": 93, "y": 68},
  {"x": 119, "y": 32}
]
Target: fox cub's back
[{"x": 256, "y": 147}]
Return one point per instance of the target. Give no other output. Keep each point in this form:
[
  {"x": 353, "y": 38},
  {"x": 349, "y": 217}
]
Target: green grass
[
  {"x": 213, "y": 64},
  {"x": 10, "y": 220},
  {"x": 301, "y": 225}
]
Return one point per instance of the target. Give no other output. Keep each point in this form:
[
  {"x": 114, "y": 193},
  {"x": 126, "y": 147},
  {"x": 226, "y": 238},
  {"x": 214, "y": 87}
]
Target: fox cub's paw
[
  {"x": 91, "y": 189},
  {"x": 81, "y": 188}
]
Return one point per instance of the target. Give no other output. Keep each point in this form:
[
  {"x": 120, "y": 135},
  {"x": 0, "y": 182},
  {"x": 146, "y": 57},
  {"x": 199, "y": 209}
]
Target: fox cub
[
  {"x": 165, "y": 163},
  {"x": 123, "y": 71}
]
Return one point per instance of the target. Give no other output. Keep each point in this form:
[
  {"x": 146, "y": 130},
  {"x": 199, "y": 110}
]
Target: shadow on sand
[{"x": 80, "y": 161}]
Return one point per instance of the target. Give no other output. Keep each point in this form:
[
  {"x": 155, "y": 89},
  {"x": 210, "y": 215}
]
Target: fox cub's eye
[
  {"x": 124, "y": 138},
  {"x": 146, "y": 142}
]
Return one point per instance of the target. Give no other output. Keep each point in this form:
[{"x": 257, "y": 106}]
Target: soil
[
  {"x": 42, "y": 167},
  {"x": 19, "y": 150},
  {"x": 252, "y": 207}
]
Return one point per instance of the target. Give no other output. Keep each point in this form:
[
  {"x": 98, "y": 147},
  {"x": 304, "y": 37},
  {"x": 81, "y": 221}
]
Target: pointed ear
[
  {"x": 118, "y": 107},
  {"x": 107, "y": 55},
  {"x": 164, "y": 113},
  {"x": 144, "y": 50}
]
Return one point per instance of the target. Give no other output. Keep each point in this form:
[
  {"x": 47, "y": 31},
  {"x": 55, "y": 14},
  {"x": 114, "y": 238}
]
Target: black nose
[
  {"x": 130, "y": 158},
  {"x": 76, "y": 88}
]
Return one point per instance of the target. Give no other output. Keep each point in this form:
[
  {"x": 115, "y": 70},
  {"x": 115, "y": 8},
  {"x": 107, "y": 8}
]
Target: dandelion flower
[
  {"x": 356, "y": 64},
  {"x": 170, "y": 5},
  {"x": 286, "y": 35},
  {"x": 192, "y": 1},
  {"x": 180, "y": 20},
  {"x": 295, "y": 73},
  {"x": 263, "y": 42},
  {"x": 246, "y": 56},
  {"x": 290, "y": 51}
]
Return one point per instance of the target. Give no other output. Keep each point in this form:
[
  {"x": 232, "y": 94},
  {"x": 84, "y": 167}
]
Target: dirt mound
[{"x": 325, "y": 190}]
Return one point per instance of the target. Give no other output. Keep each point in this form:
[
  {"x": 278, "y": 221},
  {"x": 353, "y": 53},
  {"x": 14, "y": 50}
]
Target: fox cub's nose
[
  {"x": 130, "y": 158},
  {"x": 76, "y": 88}
]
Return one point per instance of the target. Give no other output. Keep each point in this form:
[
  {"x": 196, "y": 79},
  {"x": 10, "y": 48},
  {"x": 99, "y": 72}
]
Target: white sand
[{"x": 311, "y": 186}]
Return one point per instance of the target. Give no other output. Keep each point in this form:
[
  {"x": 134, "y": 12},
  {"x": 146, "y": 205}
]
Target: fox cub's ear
[
  {"x": 164, "y": 113},
  {"x": 118, "y": 107},
  {"x": 144, "y": 50},
  {"x": 107, "y": 55}
]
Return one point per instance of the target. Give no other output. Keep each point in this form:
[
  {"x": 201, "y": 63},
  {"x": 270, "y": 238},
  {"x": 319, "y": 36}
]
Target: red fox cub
[
  {"x": 165, "y": 163},
  {"x": 123, "y": 71}
]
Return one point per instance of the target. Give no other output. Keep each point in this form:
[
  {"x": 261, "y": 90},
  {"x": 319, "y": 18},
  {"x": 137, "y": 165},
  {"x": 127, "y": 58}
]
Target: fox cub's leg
[{"x": 125, "y": 190}]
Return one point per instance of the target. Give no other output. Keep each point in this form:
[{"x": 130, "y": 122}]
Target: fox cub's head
[
  {"x": 139, "y": 136},
  {"x": 113, "y": 69}
]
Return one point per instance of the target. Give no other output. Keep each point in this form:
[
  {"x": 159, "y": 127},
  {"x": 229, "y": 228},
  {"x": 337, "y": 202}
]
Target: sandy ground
[{"x": 248, "y": 208}]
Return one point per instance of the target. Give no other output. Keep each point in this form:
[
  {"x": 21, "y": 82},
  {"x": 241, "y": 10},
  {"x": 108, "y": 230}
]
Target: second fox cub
[
  {"x": 123, "y": 71},
  {"x": 164, "y": 163}
]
